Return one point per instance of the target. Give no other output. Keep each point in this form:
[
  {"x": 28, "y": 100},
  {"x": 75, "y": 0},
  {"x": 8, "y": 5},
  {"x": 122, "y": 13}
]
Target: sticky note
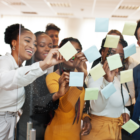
[
  {"x": 92, "y": 54},
  {"x": 76, "y": 79},
  {"x": 129, "y": 50},
  {"x": 67, "y": 51},
  {"x": 91, "y": 93},
  {"x": 129, "y": 28},
  {"x": 114, "y": 62},
  {"x": 101, "y": 24},
  {"x": 97, "y": 72},
  {"x": 126, "y": 76},
  {"x": 130, "y": 126},
  {"x": 108, "y": 90},
  {"x": 112, "y": 41}
]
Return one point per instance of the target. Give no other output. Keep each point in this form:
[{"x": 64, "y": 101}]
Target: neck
[{"x": 17, "y": 58}]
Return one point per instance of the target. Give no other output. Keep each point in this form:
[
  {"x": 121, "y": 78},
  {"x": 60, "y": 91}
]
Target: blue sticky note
[
  {"x": 108, "y": 90},
  {"x": 92, "y": 54},
  {"x": 129, "y": 50},
  {"x": 76, "y": 79},
  {"x": 101, "y": 24}
]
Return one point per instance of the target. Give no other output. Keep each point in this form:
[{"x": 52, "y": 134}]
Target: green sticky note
[
  {"x": 112, "y": 41},
  {"x": 114, "y": 62},
  {"x": 130, "y": 126},
  {"x": 129, "y": 28},
  {"x": 67, "y": 51},
  {"x": 126, "y": 76},
  {"x": 97, "y": 72},
  {"x": 91, "y": 93}
]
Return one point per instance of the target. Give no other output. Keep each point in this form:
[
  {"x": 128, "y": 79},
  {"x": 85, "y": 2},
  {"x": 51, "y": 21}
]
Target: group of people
[{"x": 41, "y": 89}]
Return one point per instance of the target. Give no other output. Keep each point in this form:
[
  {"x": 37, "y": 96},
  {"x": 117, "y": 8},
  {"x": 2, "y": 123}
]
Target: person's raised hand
[
  {"x": 109, "y": 74},
  {"x": 54, "y": 57},
  {"x": 80, "y": 63}
]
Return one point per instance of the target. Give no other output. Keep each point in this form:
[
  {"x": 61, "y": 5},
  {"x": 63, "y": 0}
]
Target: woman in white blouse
[
  {"x": 106, "y": 114},
  {"x": 13, "y": 77}
]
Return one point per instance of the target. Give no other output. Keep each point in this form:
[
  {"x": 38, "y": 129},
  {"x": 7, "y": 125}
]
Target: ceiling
[{"x": 113, "y": 9}]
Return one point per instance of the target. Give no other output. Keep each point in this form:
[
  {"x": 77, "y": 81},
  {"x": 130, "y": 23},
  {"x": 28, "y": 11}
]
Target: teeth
[{"x": 29, "y": 51}]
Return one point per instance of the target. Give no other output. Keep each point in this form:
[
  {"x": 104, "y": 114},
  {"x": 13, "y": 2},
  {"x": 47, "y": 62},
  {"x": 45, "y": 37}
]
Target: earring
[{"x": 13, "y": 48}]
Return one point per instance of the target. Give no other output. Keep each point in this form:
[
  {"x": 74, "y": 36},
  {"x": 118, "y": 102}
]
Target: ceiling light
[
  {"x": 59, "y": 4},
  {"x": 29, "y": 12},
  {"x": 129, "y": 7},
  {"x": 119, "y": 16}
]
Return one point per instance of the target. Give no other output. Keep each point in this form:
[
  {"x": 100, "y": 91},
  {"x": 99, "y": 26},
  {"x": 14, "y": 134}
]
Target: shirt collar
[{"x": 13, "y": 60}]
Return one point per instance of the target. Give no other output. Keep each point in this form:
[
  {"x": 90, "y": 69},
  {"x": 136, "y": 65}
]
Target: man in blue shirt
[{"x": 136, "y": 75}]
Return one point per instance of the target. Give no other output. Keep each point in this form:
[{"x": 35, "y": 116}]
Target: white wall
[{"x": 83, "y": 29}]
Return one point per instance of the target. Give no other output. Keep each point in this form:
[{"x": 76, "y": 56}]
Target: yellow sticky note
[
  {"x": 67, "y": 51},
  {"x": 97, "y": 72},
  {"x": 91, "y": 93},
  {"x": 114, "y": 62},
  {"x": 129, "y": 28},
  {"x": 126, "y": 76},
  {"x": 130, "y": 126},
  {"x": 112, "y": 41}
]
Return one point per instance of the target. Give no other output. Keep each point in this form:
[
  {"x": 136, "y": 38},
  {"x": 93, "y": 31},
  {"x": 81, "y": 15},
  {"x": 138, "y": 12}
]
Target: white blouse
[
  {"x": 113, "y": 106},
  {"x": 12, "y": 82}
]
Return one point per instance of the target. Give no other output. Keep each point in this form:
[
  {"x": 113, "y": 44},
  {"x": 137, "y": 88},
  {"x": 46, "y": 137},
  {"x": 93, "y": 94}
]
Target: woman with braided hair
[
  {"x": 66, "y": 123},
  {"x": 106, "y": 114}
]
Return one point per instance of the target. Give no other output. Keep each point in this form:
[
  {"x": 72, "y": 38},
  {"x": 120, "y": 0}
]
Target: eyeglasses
[{"x": 114, "y": 52}]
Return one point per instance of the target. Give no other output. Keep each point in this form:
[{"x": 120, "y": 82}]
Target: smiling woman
[{"x": 13, "y": 78}]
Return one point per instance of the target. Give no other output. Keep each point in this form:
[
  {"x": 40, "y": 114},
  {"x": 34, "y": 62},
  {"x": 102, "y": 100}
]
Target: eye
[
  {"x": 41, "y": 46},
  {"x": 35, "y": 45},
  {"x": 27, "y": 41},
  {"x": 50, "y": 46}
]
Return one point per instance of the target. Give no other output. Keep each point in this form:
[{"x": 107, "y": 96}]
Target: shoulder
[
  {"x": 5, "y": 63},
  {"x": 52, "y": 76}
]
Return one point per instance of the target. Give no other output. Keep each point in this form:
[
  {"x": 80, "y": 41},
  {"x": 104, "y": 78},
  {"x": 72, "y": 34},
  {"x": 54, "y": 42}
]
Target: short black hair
[
  {"x": 64, "y": 41},
  {"x": 52, "y": 26},
  {"x": 138, "y": 26},
  {"x": 12, "y": 32},
  {"x": 39, "y": 33}
]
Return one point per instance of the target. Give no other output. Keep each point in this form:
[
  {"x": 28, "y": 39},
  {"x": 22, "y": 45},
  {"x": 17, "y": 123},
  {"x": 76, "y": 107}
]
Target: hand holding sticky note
[
  {"x": 126, "y": 76},
  {"x": 130, "y": 126},
  {"x": 114, "y": 62},
  {"x": 108, "y": 90},
  {"x": 92, "y": 54},
  {"x": 129, "y": 50},
  {"x": 97, "y": 72},
  {"x": 129, "y": 28},
  {"x": 101, "y": 24},
  {"x": 112, "y": 41},
  {"x": 67, "y": 51},
  {"x": 76, "y": 79},
  {"x": 91, "y": 93}
]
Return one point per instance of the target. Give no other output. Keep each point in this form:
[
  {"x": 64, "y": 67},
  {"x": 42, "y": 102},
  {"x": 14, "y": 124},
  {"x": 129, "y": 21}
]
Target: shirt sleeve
[
  {"x": 125, "y": 110},
  {"x": 99, "y": 104},
  {"x": 13, "y": 79}
]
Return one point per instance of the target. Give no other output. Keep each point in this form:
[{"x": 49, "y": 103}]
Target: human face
[
  {"x": 44, "y": 45},
  {"x": 69, "y": 64},
  {"x": 138, "y": 35},
  {"x": 118, "y": 50},
  {"x": 25, "y": 45},
  {"x": 54, "y": 34}
]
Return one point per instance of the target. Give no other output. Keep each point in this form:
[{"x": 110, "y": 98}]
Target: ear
[
  {"x": 138, "y": 43},
  {"x": 14, "y": 43}
]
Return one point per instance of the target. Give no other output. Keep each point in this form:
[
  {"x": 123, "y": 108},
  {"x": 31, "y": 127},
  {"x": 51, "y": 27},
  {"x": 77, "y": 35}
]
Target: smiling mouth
[
  {"x": 29, "y": 52},
  {"x": 45, "y": 54}
]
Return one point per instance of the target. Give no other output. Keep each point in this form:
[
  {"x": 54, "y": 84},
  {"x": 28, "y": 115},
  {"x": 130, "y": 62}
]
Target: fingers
[
  {"x": 106, "y": 67},
  {"x": 86, "y": 129},
  {"x": 56, "y": 54},
  {"x": 64, "y": 77}
]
